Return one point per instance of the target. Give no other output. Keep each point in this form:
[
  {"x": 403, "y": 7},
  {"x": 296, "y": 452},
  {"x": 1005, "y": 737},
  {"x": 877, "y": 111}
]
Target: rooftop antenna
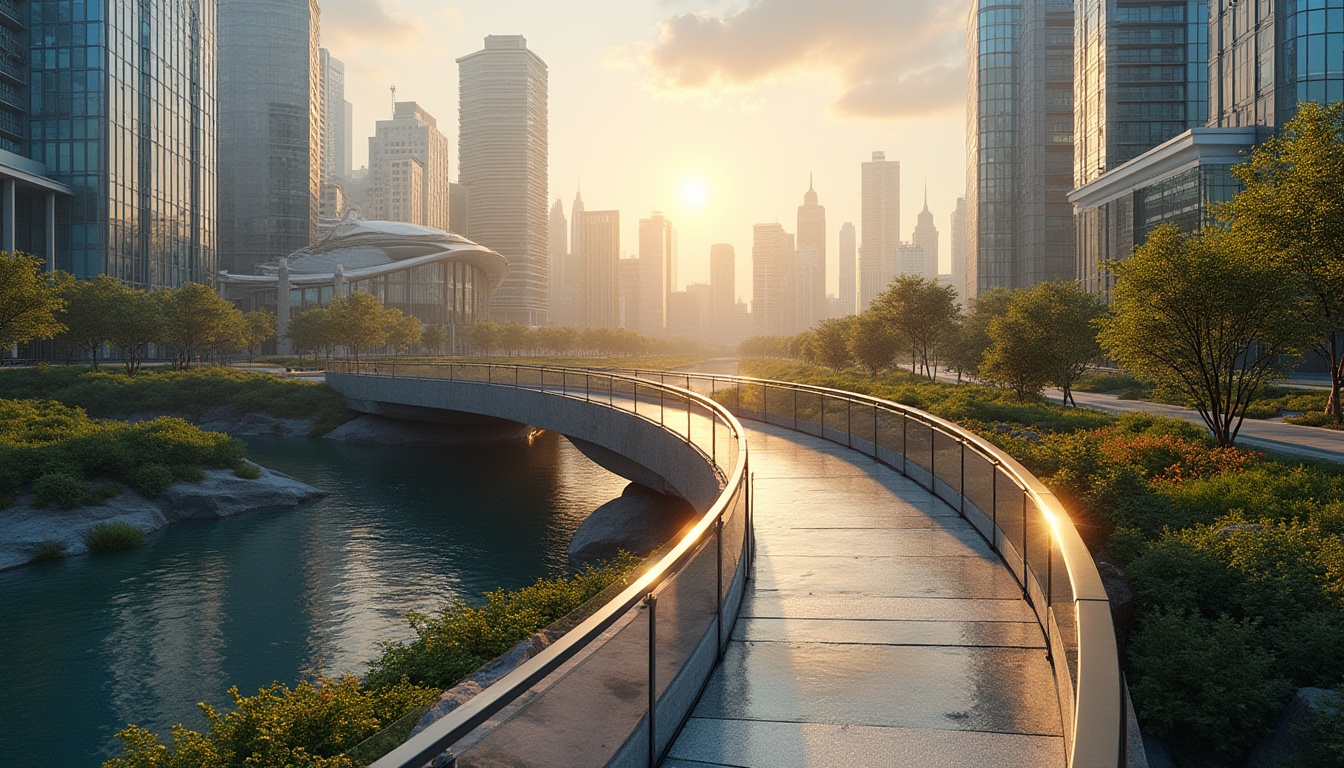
[{"x": 394, "y": 101}]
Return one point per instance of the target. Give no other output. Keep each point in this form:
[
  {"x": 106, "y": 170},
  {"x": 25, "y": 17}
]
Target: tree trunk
[{"x": 1334, "y": 407}]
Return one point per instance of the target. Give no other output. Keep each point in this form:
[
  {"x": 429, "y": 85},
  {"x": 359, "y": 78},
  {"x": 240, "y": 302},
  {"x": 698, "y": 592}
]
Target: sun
[{"x": 694, "y": 192}]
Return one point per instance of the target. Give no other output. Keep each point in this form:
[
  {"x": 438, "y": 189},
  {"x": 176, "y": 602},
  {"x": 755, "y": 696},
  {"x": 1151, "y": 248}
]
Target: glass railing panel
[
  {"x": 1039, "y": 547},
  {"x": 1010, "y": 501},
  {"x": 583, "y": 713},
  {"x": 809, "y": 412},
  {"x": 919, "y": 445},
  {"x": 947, "y": 467},
  {"x": 979, "y": 492},
  {"x": 1065, "y": 614},
  {"x": 890, "y": 437},
  {"x": 862, "y": 419}
]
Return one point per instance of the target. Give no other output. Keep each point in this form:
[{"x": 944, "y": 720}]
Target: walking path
[{"x": 879, "y": 630}]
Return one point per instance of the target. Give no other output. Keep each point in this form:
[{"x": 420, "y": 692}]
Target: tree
[
  {"x": 830, "y": 342},
  {"x": 29, "y": 300},
  {"x": 357, "y": 322},
  {"x": 134, "y": 320},
  {"x": 403, "y": 330},
  {"x": 197, "y": 320},
  {"x": 513, "y": 338},
  {"x": 484, "y": 336},
  {"x": 1206, "y": 316},
  {"x": 433, "y": 339},
  {"x": 1046, "y": 335},
  {"x": 966, "y": 345},
  {"x": 260, "y": 329},
  {"x": 1291, "y": 213},
  {"x": 311, "y": 330},
  {"x": 872, "y": 342},
  {"x": 88, "y": 303},
  {"x": 921, "y": 313}
]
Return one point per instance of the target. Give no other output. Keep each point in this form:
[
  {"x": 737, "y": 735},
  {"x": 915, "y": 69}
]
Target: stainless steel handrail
[{"x": 449, "y": 730}]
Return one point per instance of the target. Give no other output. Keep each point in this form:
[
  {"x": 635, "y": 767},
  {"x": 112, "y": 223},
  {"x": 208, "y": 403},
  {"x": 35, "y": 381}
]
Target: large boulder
[
  {"x": 639, "y": 521},
  {"x": 1284, "y": 746},
  {"x": 223, "y": 494}
]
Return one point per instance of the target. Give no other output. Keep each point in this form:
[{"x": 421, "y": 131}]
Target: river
[{"x": 91, "y": 643}]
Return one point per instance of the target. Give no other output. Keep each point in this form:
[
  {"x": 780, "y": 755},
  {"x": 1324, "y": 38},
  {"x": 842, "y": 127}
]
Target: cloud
[
  {"x": 889, "y": 58},
  {"x": 352, "y": 24}
]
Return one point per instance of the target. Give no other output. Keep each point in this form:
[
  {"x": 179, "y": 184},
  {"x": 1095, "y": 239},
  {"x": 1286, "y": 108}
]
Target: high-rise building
[
  {"x": 657, "y": 272},
  {"x": 502, "y": 158},
  {"x": 575, "y": 212},
  {"x": 628, "y": 284},
  {"x": 411, "y": 134},
  {"x": 106, "y": 93},
  {"x": 270, "y": 130},
  {"x": 337, "y": 117},
  {"x": 600, "y": 259},
  {"x": 926, "y": 237},
  {"x": 958, "y": 247},
  {"x": 1019, "y": 143},
  {"x": 849, "y": 270},
  {"x": 459, "y": 209},
  {"x": 772, "y": 280},
  {"x": 722, "y": 284},
  {"x": 881, "y": 223},
  {"x": 558, "y": 246},
  {"x": 1141, "y": 78},
  {"x": 811, "y": 277}
]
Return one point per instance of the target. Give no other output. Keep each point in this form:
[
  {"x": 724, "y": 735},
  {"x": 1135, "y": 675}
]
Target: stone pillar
[
  {"x": 282, "y": 343},
  {"x": 338, "y": 285},
  {"x": 7, "y": 213},
  {"x": 51, "y": 231}
]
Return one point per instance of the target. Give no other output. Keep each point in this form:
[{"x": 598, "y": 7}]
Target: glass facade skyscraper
[
  {"x": 270, "y": 125},
  {"x": 123, "y": 113},
  {"x": 1019, "y": 227}
]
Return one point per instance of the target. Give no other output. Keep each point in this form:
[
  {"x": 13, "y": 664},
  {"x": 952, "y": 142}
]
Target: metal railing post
[
  {"x": 905, "y": 431},
  {"x": 718, "y": 594},
  {"x": 795, "y": 410},
  {"x": 652, "y": 602},
  {"x": 961, "y": 508},
  {"x": 994, "y": 506},
  {"x": 1026, "y": 592}
]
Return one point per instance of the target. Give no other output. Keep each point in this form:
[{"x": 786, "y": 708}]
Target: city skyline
[{"x": 725, "y": 142}]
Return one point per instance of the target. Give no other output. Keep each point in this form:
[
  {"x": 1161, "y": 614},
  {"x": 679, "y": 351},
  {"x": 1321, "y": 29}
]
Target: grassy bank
[
  {"x": 68, "y": 460},
  {"x": 1235, "y": 558},
  {"x": 321, "y": 723},
  {"x": 1270, "y": 402},
  {"x": 111, "y": 394}
]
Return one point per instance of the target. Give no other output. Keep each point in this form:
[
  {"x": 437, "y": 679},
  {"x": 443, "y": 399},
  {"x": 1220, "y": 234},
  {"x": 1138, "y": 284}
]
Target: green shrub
[
  {"x": 1205, "y": 684},
  {"x": 50, "y": 551},
  {"x": 188, "y": 474},
  {"x": 1323, "y": 735},
  {"x": 59, "y": 489},
  {"x": 462, "y": 637},
  {"x": 112, "y": 536},
  {"x": 151, "y": 479},
  {"x": 247, "y": 471},
  {"x": 310, "y": 725},
  {"x": 1106, "y": 382}
]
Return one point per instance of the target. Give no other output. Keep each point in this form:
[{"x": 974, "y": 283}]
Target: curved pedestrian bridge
[{"x": 916, "y": 598}]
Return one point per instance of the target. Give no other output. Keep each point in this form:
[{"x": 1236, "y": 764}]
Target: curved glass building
[{"x": 436, "y": 276}]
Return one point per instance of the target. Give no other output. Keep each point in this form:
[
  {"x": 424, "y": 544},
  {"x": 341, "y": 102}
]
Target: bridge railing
[
  {"x": 616, "y": 688},
  {"x": 1015, "y": 513}
]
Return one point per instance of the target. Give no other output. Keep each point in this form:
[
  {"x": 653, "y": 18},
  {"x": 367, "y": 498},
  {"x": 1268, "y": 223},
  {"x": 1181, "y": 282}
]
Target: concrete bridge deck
[{"x": 880, "y": 630}]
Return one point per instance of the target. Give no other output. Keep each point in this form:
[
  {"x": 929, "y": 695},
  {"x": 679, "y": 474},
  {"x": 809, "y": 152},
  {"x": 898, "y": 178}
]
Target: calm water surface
[{"x": 91, "y": 643}]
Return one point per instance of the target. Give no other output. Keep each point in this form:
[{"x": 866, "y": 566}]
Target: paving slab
[{"x": 879, "y": 630}]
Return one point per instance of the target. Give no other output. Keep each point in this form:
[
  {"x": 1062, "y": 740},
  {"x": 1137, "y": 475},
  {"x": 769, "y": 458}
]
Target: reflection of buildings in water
[{"x": 168, "y": 643}]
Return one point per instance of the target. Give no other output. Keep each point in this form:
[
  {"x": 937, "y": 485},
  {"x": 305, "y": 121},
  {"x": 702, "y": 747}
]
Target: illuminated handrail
[
  {"x": 1079, "y": 630},
  {"x": 734, "y": 498}
]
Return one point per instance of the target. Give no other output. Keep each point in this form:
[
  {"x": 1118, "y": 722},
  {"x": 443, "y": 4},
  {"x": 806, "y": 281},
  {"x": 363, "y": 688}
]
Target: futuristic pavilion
[{"x": 436, "y": 276}]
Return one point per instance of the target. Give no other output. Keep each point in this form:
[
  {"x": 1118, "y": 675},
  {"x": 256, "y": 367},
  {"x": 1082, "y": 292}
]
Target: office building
[
  {"x": 811, "y": 265},
  {"x": 1019, "y": 143},
  {"x": 75, "y": 119},
  {"x": 657, "y": 272},
  {"x": 683, "y": 315},
  {"x": 926, "y": 237},
  {"x": 502, "y": 158},
  {"x": 772, "y": 281},
  {"x": 628, "y": 284},
  {"x": 958, "y": 248},
  {"x": 459, "y": 208},
  {"x": 881, "y": 223},
  {"x": 337, "y": 119},
  {"x": 270, "y": 130},
  {"x": 849, "y": 271},
  {"x": 558, "y": 249},
  {"x": 410, "y": 138},
  {"x": 599, "y": 262}
]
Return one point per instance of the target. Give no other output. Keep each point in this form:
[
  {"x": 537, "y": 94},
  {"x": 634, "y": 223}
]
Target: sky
[{"x": 712, "y": 112}]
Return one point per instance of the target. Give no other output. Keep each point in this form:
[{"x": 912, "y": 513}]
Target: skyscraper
[
  {"x": 502, "y": 147},
  {"x": 958, "y": 227},
  {"x": 1019, "y": 143},
  {"x": 108, "y": 94},
  {"x": 849, "y": 270},
  {"x": 657, "y": 272},
  {"x": 772, "y": 283},
  {"x": 881, "y": 223},
  {"x": 811, "y": 267},
  {"x": 722, "y": 285},
  {"x": 926, "y": 237},
  {"x": 558, "y": 242},
  {"x": 337, "y": 143},
  {"x": 270, "y": 130},
  {"x": 600, "y": 255},
  {"x": 411, "y": 135}
]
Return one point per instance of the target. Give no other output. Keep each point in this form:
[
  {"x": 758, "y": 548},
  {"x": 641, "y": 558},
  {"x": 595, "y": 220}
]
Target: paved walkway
[{"x": 880, "y": 630}]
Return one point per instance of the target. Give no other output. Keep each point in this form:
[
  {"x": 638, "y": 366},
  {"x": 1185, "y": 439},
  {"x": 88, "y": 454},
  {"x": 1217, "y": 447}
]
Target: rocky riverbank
[{"x": 26, "y": 531}]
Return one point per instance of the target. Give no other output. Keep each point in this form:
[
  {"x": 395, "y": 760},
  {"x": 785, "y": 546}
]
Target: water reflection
[{"x": 89, "y": 644}]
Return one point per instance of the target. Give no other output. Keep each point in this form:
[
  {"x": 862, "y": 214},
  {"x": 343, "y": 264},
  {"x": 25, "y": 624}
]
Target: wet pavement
[{"x": 879, "y": 630}]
